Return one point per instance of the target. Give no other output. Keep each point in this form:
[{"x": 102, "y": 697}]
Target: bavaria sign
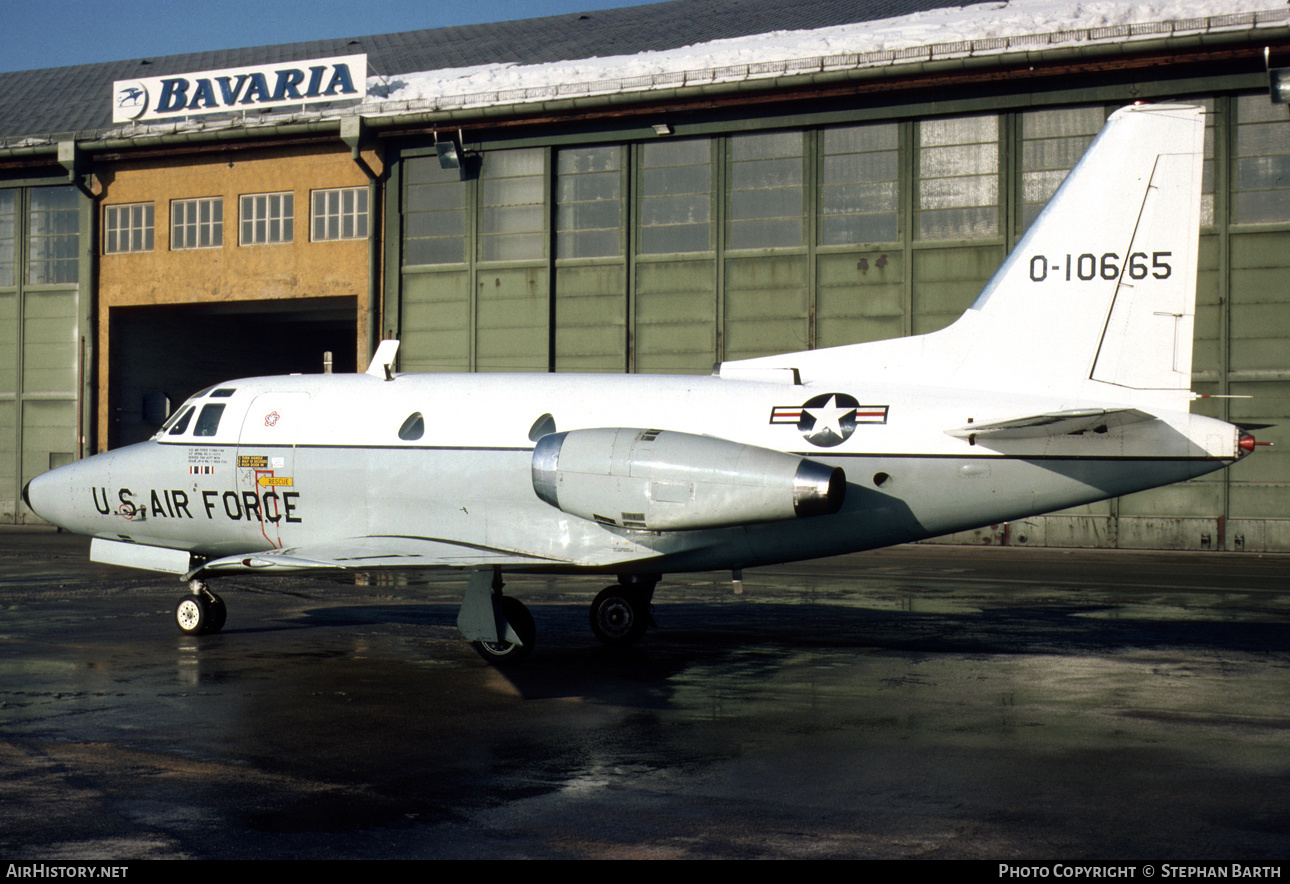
[{"x": 240, "y": 89}]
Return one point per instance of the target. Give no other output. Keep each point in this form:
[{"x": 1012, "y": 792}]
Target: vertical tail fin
[
  {"x": 1097, "y": 301},
  {"x": 1098, "y": 298}
]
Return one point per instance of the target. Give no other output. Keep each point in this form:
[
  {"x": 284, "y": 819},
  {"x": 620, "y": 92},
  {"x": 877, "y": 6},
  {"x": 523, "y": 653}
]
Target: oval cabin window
[{"x": 413, "y": 428}]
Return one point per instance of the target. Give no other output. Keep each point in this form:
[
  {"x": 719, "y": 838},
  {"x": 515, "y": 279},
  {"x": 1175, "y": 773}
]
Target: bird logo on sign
[{"x": 132, "y": 99}]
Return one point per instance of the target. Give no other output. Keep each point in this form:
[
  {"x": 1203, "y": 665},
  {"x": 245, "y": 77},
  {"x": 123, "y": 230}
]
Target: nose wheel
[{"x": 202, "y": 612}]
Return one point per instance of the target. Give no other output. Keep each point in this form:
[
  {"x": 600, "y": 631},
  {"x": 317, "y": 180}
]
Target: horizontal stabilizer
[
  {"x": 787, "y": 376},
  {"x": 1055, "y": 423}
]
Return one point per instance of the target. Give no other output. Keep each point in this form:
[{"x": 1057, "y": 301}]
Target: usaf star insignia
[{"x": 828, "y": 419}]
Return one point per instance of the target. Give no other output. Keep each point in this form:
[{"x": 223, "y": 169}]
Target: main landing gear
[
  {"x": 620, "y": 614},
  {"x": 501, "y": 629},
  {"x": 202, "y": 612},
  {"x": 520, "y": 623}
]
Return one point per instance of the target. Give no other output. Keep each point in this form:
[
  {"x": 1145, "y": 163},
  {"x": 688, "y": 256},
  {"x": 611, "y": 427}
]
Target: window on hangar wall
[
  {"x": 8, "y": 236},
  {"x": 128, "y": 228},
  {"x": 821, "y": 212},
  {"x": 340, "y": 213},
  {"x": 1261, "y": 184},
  {"x": 268, "y": 218},
  {"x": 197, "y": 223}
]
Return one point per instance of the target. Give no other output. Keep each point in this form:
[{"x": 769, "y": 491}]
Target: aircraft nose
[
  {"x": 46, "y": 495},
  {"x": 34, "y": 501}
]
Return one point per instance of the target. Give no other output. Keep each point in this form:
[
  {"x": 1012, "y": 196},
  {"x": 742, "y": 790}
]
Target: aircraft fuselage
[{"x": 307, "y": 461}]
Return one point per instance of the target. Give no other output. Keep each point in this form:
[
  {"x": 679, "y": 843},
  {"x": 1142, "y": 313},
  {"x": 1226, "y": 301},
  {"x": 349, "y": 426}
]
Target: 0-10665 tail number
[{"x": 1088, "y": 266}]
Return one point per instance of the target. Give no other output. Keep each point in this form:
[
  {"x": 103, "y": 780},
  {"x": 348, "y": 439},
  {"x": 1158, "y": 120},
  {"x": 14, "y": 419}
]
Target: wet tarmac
[{"x": 934, "y": 702}]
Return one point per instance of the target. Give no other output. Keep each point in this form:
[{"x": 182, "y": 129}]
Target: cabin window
[
  {"x": 208, "y": 421},
  {"x": 181, "y": 424},
  {"x": 413, "y": 428}
]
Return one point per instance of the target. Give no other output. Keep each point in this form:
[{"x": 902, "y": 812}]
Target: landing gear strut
[
  {"x": 501, "y": 628},
  {"x": 620, "y": 614},
  {"x": 521, "y": 622},
  {"x": 202, "y": 613}
]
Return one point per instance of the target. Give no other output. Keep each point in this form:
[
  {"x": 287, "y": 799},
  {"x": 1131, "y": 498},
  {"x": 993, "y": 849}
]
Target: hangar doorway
[{"x": 161, "y": 355}]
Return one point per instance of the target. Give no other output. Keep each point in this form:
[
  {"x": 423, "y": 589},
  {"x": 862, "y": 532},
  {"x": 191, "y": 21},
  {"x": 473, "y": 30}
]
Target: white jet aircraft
[{"x": 1066, "y": 382}]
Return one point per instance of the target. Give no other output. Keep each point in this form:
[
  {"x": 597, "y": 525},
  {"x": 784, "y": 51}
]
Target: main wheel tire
[
  {"x": 619, "y": 616},
  {"x": 193, "y": 615},
  {"x": 510, "y": 653}
]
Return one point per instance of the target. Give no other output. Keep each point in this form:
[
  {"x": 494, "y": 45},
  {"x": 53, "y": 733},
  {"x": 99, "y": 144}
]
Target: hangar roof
[
  {"x": 77, "y": 99},
  {"x": 659, "y": 52}
]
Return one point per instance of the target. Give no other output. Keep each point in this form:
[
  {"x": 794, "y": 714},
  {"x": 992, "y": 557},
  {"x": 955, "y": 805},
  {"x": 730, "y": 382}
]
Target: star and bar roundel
[{"x": 828, "y": 419}]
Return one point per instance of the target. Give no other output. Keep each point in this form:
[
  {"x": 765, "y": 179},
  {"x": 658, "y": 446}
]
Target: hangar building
[{"x": 646, "y": 189}]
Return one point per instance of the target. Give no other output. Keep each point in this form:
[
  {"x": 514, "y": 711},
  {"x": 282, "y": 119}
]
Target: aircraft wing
[
  {"x": 385, "y": 551},
  {"x": 1055, "y": 423}
]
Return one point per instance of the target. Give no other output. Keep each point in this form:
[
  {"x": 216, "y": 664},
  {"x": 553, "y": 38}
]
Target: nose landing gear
[{"x": 202, "y": 612}]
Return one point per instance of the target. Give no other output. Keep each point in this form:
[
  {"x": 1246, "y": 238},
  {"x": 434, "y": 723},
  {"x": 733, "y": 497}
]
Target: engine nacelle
[{"x": 660, "y": 480}]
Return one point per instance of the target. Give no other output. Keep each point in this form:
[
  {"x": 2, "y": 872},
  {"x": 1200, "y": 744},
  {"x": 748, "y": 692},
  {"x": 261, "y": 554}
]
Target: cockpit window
[
  {"x": 413, "y": 428},
  {"x": 181, "y": 424},
  {"x": 223, "y": 392},
  {"x": 171, "y": 421},
  {"x": 208, "y": 420}
]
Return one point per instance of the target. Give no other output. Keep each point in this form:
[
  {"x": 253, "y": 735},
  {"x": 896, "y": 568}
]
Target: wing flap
[{"x": 360, "y": 553}]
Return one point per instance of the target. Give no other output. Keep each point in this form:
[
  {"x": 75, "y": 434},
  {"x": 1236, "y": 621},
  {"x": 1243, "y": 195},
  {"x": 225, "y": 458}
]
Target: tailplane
[{"x": 1097, "y": 300}]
